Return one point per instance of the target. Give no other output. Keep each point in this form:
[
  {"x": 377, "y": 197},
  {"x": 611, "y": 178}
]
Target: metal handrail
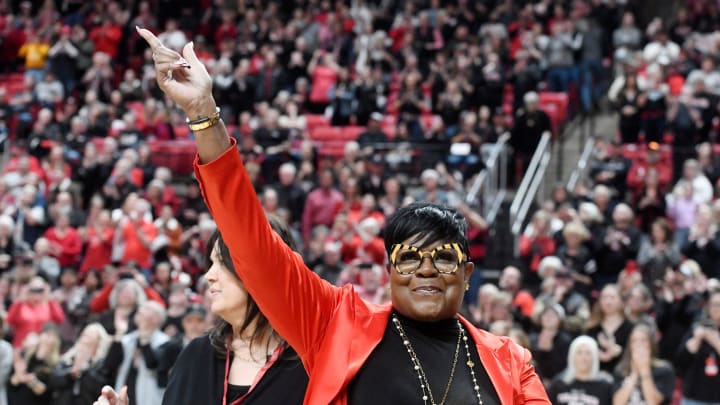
[
  {"x": 492, "y": 180},
  {"x": 527, "y": 202},
  {"x": 582, "y": 165},
  {"x": 529, "y": 185},
  {"x": 5, "y": 144}
]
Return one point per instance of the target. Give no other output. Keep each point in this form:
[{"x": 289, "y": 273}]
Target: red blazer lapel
[
  {"x": 358, "y": 329},
  {"x": 496, "y": 359},
  {"x": 372, "y": 321}
]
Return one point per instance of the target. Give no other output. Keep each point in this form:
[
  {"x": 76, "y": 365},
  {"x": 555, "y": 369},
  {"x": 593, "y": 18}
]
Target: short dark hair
[
  {"x": 220, "y": 332},
  {"x": 423, "y": 220}
]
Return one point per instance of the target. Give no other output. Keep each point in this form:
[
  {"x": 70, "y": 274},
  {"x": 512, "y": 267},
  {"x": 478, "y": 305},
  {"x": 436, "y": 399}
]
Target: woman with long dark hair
[
  {"x": 241, "y": 359},
  {"x": 640, "y": 375},
  {"x": 609, "y": 326}
]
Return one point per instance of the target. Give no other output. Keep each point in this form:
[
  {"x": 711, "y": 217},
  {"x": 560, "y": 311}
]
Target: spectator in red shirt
[
  {"x": 136, "y": 232},
  {"x": 320, "y": 204},
  {"x": 98, "y": 241},
  {"x": 536, "y": 243},
  {"x": 365, "y": 243},
  {"x": 227, "y": 29},
  {"x": 55, "y": 168},
  {"x": 106, "y": 37},
  {"x": 65, "y": 243},
  {"x": 367, "y": 209},
  {"x": 324, "y": 73},
  {"x": 32, "y": 309},
  {"x": 640, "y": 168},
  {"x": 510, "y": 282}
]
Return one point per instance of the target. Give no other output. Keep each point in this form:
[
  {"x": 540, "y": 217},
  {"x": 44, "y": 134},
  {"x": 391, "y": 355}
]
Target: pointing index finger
[{"x": 149, "y": 37}]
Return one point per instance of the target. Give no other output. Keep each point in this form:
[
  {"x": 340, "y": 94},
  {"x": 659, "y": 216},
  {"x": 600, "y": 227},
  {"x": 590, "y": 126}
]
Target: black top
[
  {"x": 69, "y": 390},
  {"x": 388, "y": 376},
  {"x": 699, "y": 371},
  {"x": 551, "y": 362},
  {"x": 199, "y": 374},
  {"x": 22, "y": 394},
  {"x": 664, "y": 379},
  {"x": 595, "y": 392},
  {"x": 621, "y": 336},
  {"x": 236, "y": 391}
]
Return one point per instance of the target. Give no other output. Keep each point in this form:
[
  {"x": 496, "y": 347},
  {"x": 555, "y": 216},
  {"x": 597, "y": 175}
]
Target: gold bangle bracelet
[{"x": 204, "y": 122}]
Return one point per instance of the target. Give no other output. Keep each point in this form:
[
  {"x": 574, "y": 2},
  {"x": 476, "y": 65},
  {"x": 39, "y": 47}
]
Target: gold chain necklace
[{"x": 424, "y": 383}]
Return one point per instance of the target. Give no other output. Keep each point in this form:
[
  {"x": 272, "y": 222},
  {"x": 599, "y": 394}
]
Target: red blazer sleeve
[
  {"x": 532, "y": 389},
  {"x": 295, "y": 300},
  {"x": 101, "y": 302}
]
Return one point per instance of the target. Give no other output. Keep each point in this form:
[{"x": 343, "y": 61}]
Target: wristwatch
[{"x": 204, "y": 122}]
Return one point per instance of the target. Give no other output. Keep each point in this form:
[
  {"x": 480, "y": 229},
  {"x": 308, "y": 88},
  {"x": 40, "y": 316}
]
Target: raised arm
[{"x": 295, "y": 300}]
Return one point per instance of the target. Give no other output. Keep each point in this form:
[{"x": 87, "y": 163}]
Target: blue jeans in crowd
[
  {"x": 591, "y": 83},
  {"x": 560, "y": 77}
]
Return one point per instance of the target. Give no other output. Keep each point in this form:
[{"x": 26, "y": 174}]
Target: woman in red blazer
[{"x": 416, "y": 350}]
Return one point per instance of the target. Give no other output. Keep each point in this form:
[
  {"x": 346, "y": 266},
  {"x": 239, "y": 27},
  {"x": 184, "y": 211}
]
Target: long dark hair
[
  {"x": 221, "y": 333},
  {"x": 624, "y": 367}
]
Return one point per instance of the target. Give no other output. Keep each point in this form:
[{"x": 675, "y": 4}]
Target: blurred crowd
[
  {"x": 102, "y": 247},
  {"x": 630, "y": 252}
]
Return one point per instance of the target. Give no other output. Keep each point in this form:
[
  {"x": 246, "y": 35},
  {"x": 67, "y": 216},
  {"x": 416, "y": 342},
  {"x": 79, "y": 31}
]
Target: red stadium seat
[
  {"x": 559, "y": 100},
  {"x": 389, "y": 130},
  {"x": 176, "y": 155},
  {"x": 351, "y": 132},
  {"x": 327, "y": 133},
  {"x": 182, "y": 131},
  {"x": 427, "y": 120},
  {"x": 316, "y": 120},
  {"x": 555, "y": 116},
  {"x": 332, "y": 151}
]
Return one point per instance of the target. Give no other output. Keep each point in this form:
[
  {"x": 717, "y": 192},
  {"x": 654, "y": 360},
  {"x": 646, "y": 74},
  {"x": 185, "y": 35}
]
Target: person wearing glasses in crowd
[{"x": 416, "y": 349}]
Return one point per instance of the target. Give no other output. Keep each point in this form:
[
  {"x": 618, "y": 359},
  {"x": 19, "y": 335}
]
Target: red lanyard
[{"x": 258, "y": 377}]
